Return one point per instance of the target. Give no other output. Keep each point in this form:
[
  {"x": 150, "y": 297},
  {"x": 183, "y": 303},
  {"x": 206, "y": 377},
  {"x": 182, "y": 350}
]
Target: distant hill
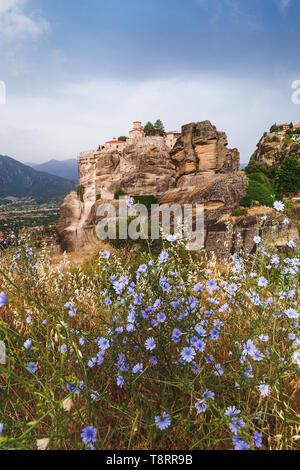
[
  {"x": 65, "y": 169},
  {"x": 22, "y": 181}
]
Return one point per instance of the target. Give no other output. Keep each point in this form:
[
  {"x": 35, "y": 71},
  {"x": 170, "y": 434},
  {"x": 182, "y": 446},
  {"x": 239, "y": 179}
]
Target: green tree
[
  {"x": 288, "y": 178},
  {"x": 122, "y": 138},
  {"x": 256, "y": 167},
  {"x": 274, "y": 128},
  {"x": 149, "y": 129},
  {"x": 291, "y": 126},
  {"x": 159, "y": 127}
]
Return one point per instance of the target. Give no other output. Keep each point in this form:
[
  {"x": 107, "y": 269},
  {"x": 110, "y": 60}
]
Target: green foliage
[
  {"x": 149, "y": 129},
  {"x": 256, "y": 167},
  {"x": 80, "y": 191},
  {"x": 145, "y": 200},
  {"x": 274, "y": 128},
  {"x": 122, "y": 138},
  {"x": 98, "y": 197},
  {"x": 286, "y": 178},
  {"x": 258, "y": 191},
  {"x": 275, "y": 138},
  {"x": 159, "y": 127},
  {"x": 240, "y": 211},
  {"x": 118, "y": 193}
]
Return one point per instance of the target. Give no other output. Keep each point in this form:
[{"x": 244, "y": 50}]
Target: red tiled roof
[{"x": 116, "y": 142}]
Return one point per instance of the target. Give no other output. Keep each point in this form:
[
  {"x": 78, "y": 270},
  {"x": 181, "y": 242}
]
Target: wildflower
[
  {"x": 257, "y": 439},
  {"x": 137, "y": 368},
  {"x": 92, "y": 362},
  {"x": 232, "y": 411},
  {"x": 120, "y": 381},
  {"x": 188, "y": 354},
  {"x": 28, "y": 319},
  {"x": 278, "y": 206},
  {"x": 150, "y": 344},
  {"x": 130, "y": 202},
  {"x": 3, "y": 299},
  {"x": 153, "y": 360},
  {"x": 73, "y": 312},
  {"x": 1, "y": 428},
  {"x": 103, "y": 344},
  {"x": 218, "y": 369},
  {"x": 106, "y": 254},
  {"x": 201, "y": 406},
  {"x": 296, "y": 358},
  {"x": 163, "y": 257},
  {"x": 176, "y": 335},
  {"x": 214, "y": 334},
  {"x": 197, "y": 287},
  {"x": 161, "y": 317},
  {"x": 32, "y": 367},
  {"x": 163, "y": 422},
  {"x": 172, "y": 238},
  {"x": 89, "y": 435},
  {"x": 209, "y": 394},
  {"x": 257, "y": 239},
  {"x": 239, "y": 444},
  {"x": 262, "y": 282},
  {"x": 291, "y": 313},
  {"x": 63, "y": 348},
  {"x": 27, "y": 344},
  {"x": 264, "y": 389},
  {"x": 291, "y": 244}
]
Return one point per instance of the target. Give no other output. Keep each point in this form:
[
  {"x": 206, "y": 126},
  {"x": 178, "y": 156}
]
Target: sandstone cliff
[
  {"x": 199, "y": 169},
  {"x": 273, "y": 147}
]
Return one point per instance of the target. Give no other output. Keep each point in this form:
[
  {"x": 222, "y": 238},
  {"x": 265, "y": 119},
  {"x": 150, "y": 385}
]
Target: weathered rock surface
[
  {"x": 273, "y": 153},
  {"x": 202, "y": 150},
  {"x": 219, "y": 194},
  {"x": 235, "y": 234}
]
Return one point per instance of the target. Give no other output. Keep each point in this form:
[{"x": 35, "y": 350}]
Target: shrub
[
  {"x": 260, "y": 192},
  {"x": 240, "y": 211},
  {"x": 80, "y": 191},
  {"x": 118, "y": 193},
  {"x": 256, "y": 167},
  {"x": 147, "y": 201},
  {"x": 98, "y": 197}
]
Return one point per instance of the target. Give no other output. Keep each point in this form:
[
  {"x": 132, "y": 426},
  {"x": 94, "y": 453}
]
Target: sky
[{"x": 79, "y": 73}]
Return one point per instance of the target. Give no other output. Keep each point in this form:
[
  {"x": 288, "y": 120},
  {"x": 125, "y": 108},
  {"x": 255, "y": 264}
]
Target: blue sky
[{"x": 79, "y": 72}]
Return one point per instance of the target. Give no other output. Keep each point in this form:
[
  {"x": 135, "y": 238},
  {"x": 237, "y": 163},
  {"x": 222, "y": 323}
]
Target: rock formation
[
  {"x": 198, "y": 169},
  {"x": 273, "y": 147}
]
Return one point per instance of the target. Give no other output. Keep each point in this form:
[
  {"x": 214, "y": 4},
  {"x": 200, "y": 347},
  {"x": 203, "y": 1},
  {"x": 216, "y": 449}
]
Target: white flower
[
  {"x": 278, "y": 206},
  {"x": 257, "y": 239},
  {"x": 42, "y": 444}
]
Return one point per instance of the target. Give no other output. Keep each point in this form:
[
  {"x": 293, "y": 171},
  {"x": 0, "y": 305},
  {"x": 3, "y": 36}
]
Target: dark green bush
[
  {"x": 260, "y": 192},
  {"x": 118, "y": 193},
  {"x": 256, "y": 167},
  {"x": 145, "y": 200},
  {"x": 239, "y": 212}
]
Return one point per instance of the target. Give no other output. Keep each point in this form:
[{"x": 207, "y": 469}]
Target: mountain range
[
  {"x": 67, "y": 169},
  {"x": 21, "y": 181}
]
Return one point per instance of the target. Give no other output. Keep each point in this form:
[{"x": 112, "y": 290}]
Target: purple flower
[
  {"x": 120, "y": 381},
  {"x": 32, "y": 367},
  {"x": 240, "y": 445},
  {"x": 106, "y": 254},
  {"x": 264, "y": 390},
  {"x": 150, "y": 344},
  {"x": 63, "y": 349},
  {"x": 257, "y": 439},
  {"x": 27, "y": 344},
  {"x": 3, "y": 299},
  {"x": 89, "y": 435},
  {"x": 163, "y": 422},
  {"x": 161, "y": 317},
  {"x": 163, "y": 257},
  {"x": 201, "y": 406},
  {"x": 188, "y": 354},
  {"x": 137, "y": 368}
]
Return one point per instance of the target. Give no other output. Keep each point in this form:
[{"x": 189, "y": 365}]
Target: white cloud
[
  {"x": 83, "y": 115},
  {"x": 16, "y": 24}
]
